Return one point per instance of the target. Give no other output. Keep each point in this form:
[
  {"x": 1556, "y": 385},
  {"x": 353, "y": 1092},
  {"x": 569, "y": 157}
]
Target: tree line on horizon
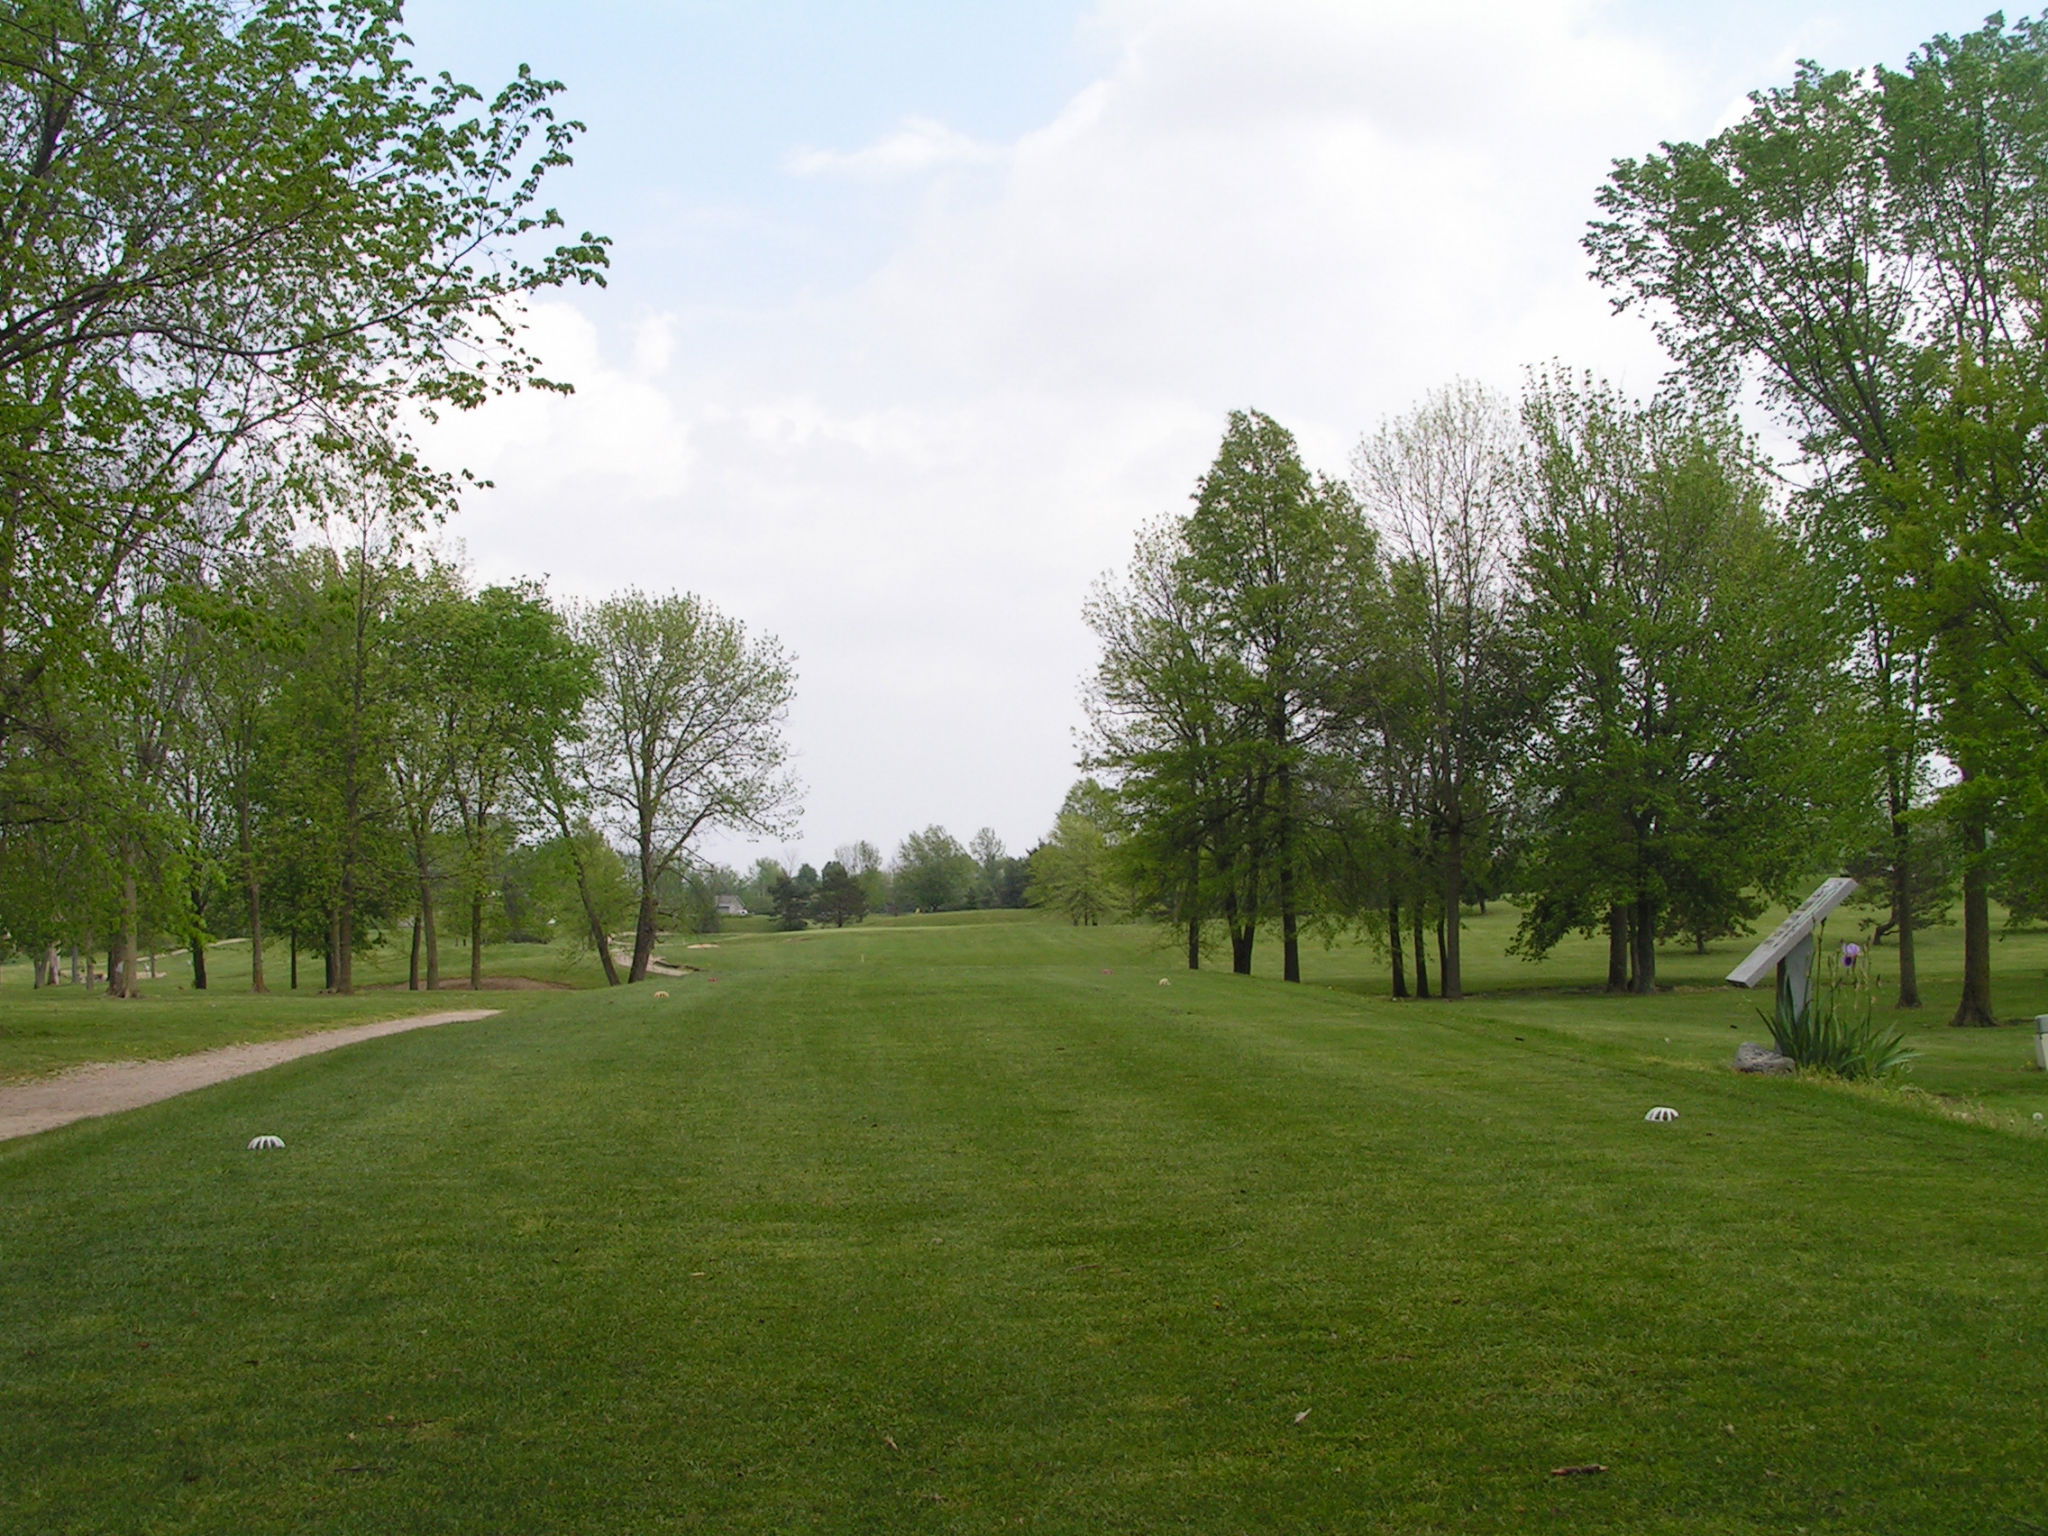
[
  {"x": 1599, "y": 652},
  {"x": 932, "y": 871}
]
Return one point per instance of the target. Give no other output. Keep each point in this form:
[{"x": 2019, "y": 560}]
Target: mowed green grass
[
  {"x": 44, "y": 1030},
  {"x": 974, "y": 1227}
]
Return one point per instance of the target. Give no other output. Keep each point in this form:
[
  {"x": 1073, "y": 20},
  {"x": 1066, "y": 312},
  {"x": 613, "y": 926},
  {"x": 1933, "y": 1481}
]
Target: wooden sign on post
[{"x": 1793, "y": 939}]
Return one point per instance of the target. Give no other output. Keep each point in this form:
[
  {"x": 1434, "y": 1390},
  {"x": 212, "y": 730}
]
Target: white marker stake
[{"x": 1790, "y": 947}]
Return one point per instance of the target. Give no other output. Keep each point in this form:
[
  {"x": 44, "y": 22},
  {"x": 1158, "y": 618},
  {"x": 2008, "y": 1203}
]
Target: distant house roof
[{"x": 731, "y": 906}]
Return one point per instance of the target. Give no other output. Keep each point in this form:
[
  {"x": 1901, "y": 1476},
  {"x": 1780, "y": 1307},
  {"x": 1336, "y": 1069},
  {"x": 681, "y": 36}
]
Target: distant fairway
[{"x": 973, "y": 1226}]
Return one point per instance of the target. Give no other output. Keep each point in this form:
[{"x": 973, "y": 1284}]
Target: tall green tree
[
  {"x": 1273, "y": 559},
  {"x": 863, "y": 861},
  {"x": 1442, "y": 483},
  {"x": 932, "y": 872},
  {"x": 1865, "y": 246},
  {"x": 1686, "y": 661},
  {"x": 1224, "y": 646},
  {"x": 1072, "y": 872},
  {"x": 1381, "y": 862},
  {"x": 1160, "y": 726},
  {"x": 683, "y": 734},
  {"x": 332, "y": 736},
  {"x": 237, "y": 239},
  {"x": 839, "y": 898},
  {"x": 142, "y": 699},
  {"x": 430, "y": 619},
  {"x": 558, "y": 785},
  {"x": 519, "y": 686},
  {"x": 243, "y": 652}
]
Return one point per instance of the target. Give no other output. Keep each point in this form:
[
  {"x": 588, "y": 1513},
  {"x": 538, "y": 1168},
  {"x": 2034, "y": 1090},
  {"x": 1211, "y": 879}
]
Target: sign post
[{"x": 1790, "y": 947}]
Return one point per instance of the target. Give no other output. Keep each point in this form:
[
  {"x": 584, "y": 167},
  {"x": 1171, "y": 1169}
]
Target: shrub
[{"x": 1834, "y": 1029}]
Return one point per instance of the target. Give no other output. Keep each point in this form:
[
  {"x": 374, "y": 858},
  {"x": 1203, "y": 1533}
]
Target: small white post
[{"x": 1795, "y": 977}]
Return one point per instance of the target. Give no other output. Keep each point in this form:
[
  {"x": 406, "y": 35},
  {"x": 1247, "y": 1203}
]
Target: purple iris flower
[{"x": 1851, "y": 953}]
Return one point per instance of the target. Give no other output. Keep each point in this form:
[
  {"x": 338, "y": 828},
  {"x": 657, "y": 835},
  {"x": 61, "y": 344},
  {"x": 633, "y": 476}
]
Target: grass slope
[{"x": 976, "y": 1227}]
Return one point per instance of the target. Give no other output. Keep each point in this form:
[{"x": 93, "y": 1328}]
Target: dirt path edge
[{"x": 108, "y": 1087}]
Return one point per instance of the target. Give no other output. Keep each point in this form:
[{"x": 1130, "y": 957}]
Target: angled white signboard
[{"x": 1794, "y": 931}]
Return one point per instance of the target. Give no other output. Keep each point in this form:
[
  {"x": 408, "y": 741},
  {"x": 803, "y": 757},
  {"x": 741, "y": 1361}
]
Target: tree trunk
[
  {"x": 433, "y": 924},
  {"x": 1241, "y": 936},
  {"x": 1290, "y": 937},
  {"x": 345, "y": 938},
  {"x": 1618, "y": 959},
  {"x": 1451, "y": 971},
  {"x": 295, "y": 958},
  {"x": 50, "y": 964},
  {"x": 1645, "y": 947},
  {"x": 355, "y": 774},
  {"x": 476, "y": 941},
  {"x": 1415, "y": 927},
  {"x": 598, "y": 936},
  {"x": 131, "y": 984},
  {"x": 1394, "y": 946},
  {"x": 412, "y": 970},
  {"x": 198, "y": 965},
  {"x": 601, "y": 939},
  {"x": 254, "y": 886},
  {"x": 1902, "y": 919},
  {"x": 643, "y": 934},
  {"x": 1973, "y": 1009},
  {"x": 332, "y": 974}
]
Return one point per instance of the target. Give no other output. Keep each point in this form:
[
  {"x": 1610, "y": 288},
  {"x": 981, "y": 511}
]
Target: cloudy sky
[{"x": 919, "y": 307}]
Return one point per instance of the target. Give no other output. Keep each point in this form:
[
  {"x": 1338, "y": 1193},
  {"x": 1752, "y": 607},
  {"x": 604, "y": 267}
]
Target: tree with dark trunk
[
  {"x": 517, "y": 687},
  {"x": 1865, "y": 246},
  {"x": 1685, "y": 661},
  {"x": 1277, "y": 563},
  {"x": 684, "y": 734},
  {"x": 1441, "y": 484}
]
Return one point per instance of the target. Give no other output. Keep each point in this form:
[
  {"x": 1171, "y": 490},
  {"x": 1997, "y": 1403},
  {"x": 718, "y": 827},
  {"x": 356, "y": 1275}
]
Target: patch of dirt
[{"x": 107, "y": 1087}]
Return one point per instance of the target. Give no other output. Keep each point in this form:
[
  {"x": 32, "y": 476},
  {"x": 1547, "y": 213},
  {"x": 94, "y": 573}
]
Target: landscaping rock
[{"x": 1761, "y": 1058}]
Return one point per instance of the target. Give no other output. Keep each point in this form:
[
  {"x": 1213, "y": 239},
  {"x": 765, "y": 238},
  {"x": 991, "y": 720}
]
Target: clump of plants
[{"x": 1834, "y": 1029}]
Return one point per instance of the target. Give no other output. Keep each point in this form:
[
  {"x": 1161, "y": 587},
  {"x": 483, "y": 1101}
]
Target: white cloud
[
  {"x": 919, "y": 144},
  {"x": 1321, "y": 209}
]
